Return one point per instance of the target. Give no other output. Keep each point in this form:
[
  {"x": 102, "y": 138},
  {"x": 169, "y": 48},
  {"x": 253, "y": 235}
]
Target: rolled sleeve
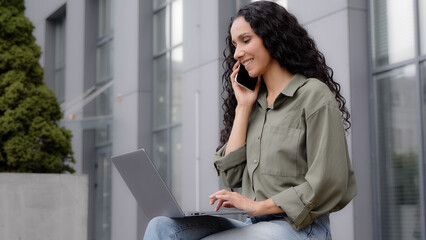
[
  {"x": 296, "y": 210},
  {"x": 231, "y": 167}
]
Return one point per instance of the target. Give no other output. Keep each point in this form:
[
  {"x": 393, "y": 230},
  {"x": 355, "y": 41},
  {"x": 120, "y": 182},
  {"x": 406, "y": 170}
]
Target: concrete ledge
[{"x": 43, "y": 206}]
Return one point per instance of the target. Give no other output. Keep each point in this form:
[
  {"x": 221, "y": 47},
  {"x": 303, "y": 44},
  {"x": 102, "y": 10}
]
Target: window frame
[
  {"x": 51, "y": 68},
  {"x": 169, "y": 126},
  {"x": 417, "y": 60}
]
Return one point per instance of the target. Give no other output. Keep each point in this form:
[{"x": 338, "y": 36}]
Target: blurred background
[{"x": 147, "y": 74}]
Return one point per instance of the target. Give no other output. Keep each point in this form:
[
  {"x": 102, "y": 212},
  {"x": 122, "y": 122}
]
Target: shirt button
[
  {"x": 258, "y": 138},
  {"x": 310, "y": 206},
  {"x": 255, "y": 161}
]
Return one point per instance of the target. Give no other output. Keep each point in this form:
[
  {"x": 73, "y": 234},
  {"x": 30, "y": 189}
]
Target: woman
[{"x": 283, "y": 143}]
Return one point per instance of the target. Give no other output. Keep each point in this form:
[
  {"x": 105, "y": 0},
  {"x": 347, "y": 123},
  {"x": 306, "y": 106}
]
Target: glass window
[
  {"x": 102, "y": 128},
  {"x": 397, "y": 120},
  {"x": 397, "y": 127},
  {"x": 423, "y": 102},
  {"x": 422, "y": 24},
  {"x": 104, "y": 63},
  {"x": 161, "y": 153},
  {"x": 167, "y": 90},
  {"x": 177, "y": 22},
  {"x": 159, "y": 3},
  {"x": 161, "y": 90},
  {"x": 160, "y": 34},
  {"x": 60, "y": 42},
  {"x": 176, "y": 104},
  {"x": 392, "y": 31},
  {"x": 102, "y": 197},
  {"x": 105, "y": 18},
  {"x": 103, "y": 103},
  {"x": 176, "y": 141},
  {"x": 60, "y": 84},
  {"x": 59, "y": 81}
]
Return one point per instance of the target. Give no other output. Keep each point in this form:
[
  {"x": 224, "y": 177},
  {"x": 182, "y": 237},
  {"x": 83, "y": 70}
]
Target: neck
[{"x": 276, "y": 79}]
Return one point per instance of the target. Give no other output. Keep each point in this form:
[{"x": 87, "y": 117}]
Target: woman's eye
[{"x": 246, "y": 40}]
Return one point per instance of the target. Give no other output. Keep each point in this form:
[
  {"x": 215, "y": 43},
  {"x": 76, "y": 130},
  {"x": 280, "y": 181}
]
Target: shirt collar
[{"x": 295, "y": 83}]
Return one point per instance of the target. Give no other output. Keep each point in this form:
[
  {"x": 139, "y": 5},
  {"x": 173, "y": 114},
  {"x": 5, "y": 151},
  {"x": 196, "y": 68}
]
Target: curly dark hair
[{"x": 288, "y": 43}]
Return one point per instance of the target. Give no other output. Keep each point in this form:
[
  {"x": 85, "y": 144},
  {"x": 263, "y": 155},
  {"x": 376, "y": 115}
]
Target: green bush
[{"x": 30, "y": 138}]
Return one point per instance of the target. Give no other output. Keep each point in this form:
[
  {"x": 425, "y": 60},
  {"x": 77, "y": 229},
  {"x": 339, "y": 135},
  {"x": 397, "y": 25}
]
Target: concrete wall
[{"x": 43, "y": 206}]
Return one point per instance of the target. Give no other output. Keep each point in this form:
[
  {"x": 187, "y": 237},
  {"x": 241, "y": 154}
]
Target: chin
[{"x": 253, "y": 75}]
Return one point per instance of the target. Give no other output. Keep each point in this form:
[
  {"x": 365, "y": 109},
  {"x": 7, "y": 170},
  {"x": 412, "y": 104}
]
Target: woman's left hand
[{"x": 233, "y": 200}]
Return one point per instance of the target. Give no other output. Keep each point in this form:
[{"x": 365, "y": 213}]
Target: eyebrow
[{"x": 241, "y": 36}]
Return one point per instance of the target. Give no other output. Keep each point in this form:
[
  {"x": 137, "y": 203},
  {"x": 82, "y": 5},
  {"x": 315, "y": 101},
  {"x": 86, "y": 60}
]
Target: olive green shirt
[{"x": 296, "y": 153}]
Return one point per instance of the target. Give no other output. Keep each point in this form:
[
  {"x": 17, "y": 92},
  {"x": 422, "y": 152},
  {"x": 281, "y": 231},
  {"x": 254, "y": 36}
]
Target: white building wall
[
  {"x": 125, "y": 113},
  {"x": 74, "y": 73},
  {"x": 200, "y": 102},
  {"x": 38, "y": 13}
]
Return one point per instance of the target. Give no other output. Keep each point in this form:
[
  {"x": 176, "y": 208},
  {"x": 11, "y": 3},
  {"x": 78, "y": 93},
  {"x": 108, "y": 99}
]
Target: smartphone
[{"x": 244, "y": 79}]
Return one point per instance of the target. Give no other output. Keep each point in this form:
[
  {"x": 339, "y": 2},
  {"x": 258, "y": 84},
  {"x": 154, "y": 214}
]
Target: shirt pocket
[{"x": 280, "y": 147}]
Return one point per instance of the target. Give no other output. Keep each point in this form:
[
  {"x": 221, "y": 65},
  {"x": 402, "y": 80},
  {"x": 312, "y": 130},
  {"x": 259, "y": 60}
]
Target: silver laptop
[{"x": 150, "y": 190}]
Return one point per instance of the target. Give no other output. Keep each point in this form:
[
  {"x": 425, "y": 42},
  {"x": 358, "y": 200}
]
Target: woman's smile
[{"x": 247, "y": 62}]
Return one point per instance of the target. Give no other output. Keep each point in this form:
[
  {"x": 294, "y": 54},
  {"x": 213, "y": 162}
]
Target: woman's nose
[{"x": 238, "y": 53}]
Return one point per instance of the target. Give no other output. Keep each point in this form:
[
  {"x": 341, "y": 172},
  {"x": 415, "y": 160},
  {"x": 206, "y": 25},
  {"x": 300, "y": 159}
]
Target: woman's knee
[
  {"x": 160, "y": 223},
  {"x": 159, "y": 228}
]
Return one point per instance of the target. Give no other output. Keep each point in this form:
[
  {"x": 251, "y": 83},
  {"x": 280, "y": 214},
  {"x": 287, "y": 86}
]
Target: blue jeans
[{"x": 210, "y": 227}]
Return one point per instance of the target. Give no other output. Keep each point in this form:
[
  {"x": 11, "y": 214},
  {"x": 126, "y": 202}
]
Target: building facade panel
[
  {"x": 126, "y": 101},
  {"x": 316, "y": 9},
  {"x": 361, "y": 129},
  {"x": 199, "y": 33}
]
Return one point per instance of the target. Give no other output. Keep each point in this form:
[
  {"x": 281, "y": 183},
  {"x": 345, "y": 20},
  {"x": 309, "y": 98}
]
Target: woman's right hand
[{"x": 245, "y": 97}]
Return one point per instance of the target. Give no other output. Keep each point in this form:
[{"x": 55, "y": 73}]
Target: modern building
[{"x": 147, "y": 74}]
